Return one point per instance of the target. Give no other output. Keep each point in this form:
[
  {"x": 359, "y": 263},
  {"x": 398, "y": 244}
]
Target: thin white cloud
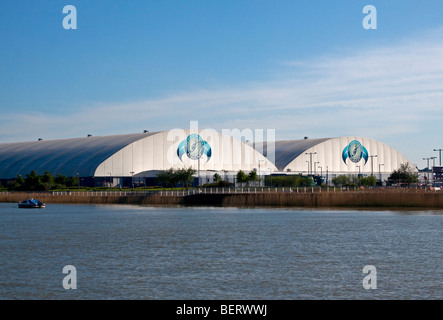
[{"x": 386, "y": 93}]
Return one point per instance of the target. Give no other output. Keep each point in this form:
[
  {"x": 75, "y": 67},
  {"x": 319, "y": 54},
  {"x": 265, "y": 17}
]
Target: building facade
[{"x": 138, "y": 158}]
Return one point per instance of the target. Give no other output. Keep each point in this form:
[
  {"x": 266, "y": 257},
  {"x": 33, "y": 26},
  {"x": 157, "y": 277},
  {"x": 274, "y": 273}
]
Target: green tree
[
  {"x": 341, "y": 180},
  {"x": 252, "y": 176},
  {"x": 171, "y": 177},
  {"x": 289, "y": 181},
  {"x": 61, "y": 180},
  {"x": 166, "y": 178},
  {"x": 185, "y": 176},
  {"x": 32, "y": 179},
  {"x": 72, "y": 181},
  {"x": 33, "y": 182},
  {"x": 13, "y": 185},
  {"x": 368, "y": 181},
  {"x": 47, "y": 180},
  {"x": 242, "y": 177},
  {"x": 404, "y": 174},
  {"x": 217, "y": 178},
  {"x": 346, "y": 180},
  {"x": 20, "y": 180}
]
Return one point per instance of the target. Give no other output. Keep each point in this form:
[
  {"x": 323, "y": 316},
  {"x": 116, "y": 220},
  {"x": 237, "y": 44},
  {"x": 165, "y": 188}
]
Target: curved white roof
[
  {"x": 64, "y": 156},
  {"x": 127, "y": 155},
  {"x": 132, "y": 154},
  {"x": 287, "y": 150},
  {"x": 329, "y": 154},
  {"x": 161, "y": 152}
]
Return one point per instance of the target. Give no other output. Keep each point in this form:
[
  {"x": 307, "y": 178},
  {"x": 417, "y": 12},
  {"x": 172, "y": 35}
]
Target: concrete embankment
[{"x": 370, "y": 198}]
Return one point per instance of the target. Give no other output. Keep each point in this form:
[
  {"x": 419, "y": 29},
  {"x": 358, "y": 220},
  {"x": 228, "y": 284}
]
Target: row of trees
[
  {"x": 185, "y": 177},
  {"x": 275, "y": 181},
  {"x": 289, "y": 181},
  {"x": 172, "y": 177},
  {"x": 243, "y": 178},
  {"x": 354, "y": 181},
  {"x": 44, "y": 182},
  {"x": 405, "y": 174}
]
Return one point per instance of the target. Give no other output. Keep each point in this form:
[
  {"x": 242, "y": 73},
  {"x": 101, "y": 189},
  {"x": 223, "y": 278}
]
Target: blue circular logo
[
  {"x": 355, "y": 151},
  {"x": 194, "y": 146}
]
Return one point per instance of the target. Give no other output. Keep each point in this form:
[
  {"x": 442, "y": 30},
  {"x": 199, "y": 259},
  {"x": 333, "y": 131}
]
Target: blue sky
[{"x": 303, "y": 68}]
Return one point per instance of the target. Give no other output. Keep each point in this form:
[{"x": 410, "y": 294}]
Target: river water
[{"x": 175, "y": 253}]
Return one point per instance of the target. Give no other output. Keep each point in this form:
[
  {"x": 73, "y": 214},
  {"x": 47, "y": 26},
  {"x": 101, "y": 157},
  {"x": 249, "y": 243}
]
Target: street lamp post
[
  {"x": 110, "y": 183},
  {"x": 433, "y": 161},
  {"x": 315, "y": 167},
  {"x": 372, "y": 164},
  {"x": 321, "y": 173},
  {"x": 439, "y": 154},
  {"x": 379, "y": 169},
  {"x": 310, "y": 159},
  {"x": 198, "y": 174},
  {"x": 308, "y": 166},
  {"x": 433, "y": 165},
  {"x": 132, "y": 179},
  {"x": 270, "y": 175},
  {"x": 259, "y": 177},
  {"x": 427, "y": 168},
  {"x": 359, "y": 175},
  {"x": 327, "y": 176}
]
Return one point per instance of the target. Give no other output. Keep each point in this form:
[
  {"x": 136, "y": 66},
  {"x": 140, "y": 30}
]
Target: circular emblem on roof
[
  {"x": 355, "y": 152},
  {"x": 194, "y": 146}
]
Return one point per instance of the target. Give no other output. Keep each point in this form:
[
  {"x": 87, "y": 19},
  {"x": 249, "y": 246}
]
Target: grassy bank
[{"x": 368, "y": 198}]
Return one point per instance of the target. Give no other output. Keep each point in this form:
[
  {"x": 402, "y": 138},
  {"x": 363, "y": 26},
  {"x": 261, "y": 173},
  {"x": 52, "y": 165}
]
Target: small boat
[{"x": 31, "y": 203}]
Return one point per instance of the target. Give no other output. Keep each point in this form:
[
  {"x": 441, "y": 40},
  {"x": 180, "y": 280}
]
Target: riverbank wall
[
  {"x": 346, "y": 199},
  {"x": 370, "y": 198}
]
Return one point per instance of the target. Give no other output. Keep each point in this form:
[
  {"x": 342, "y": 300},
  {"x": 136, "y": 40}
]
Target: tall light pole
[
  {"x": 132, "y": 179},
  {"x": 308, "y": 166},
  {"x": 359, "y": 175},
  {"x": 379, "y": 169},
  {"x": 433, "y": 165},
  {"x": 315, "y": 167},
  {"x": 439, "y": 153},
  {"x": 321, "y": 172},
  {"x": 110, "y": 183},
  {"x": 198, "y": 170},
  {"x": 427, "y": 167},
  {"x": 433, "y": 161},
  {"x": 310, "y": 159},
  {"x": 259, "y": 177},
  {"x": 372, "y": 164},
  {"x": 327, "y": 176}
]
